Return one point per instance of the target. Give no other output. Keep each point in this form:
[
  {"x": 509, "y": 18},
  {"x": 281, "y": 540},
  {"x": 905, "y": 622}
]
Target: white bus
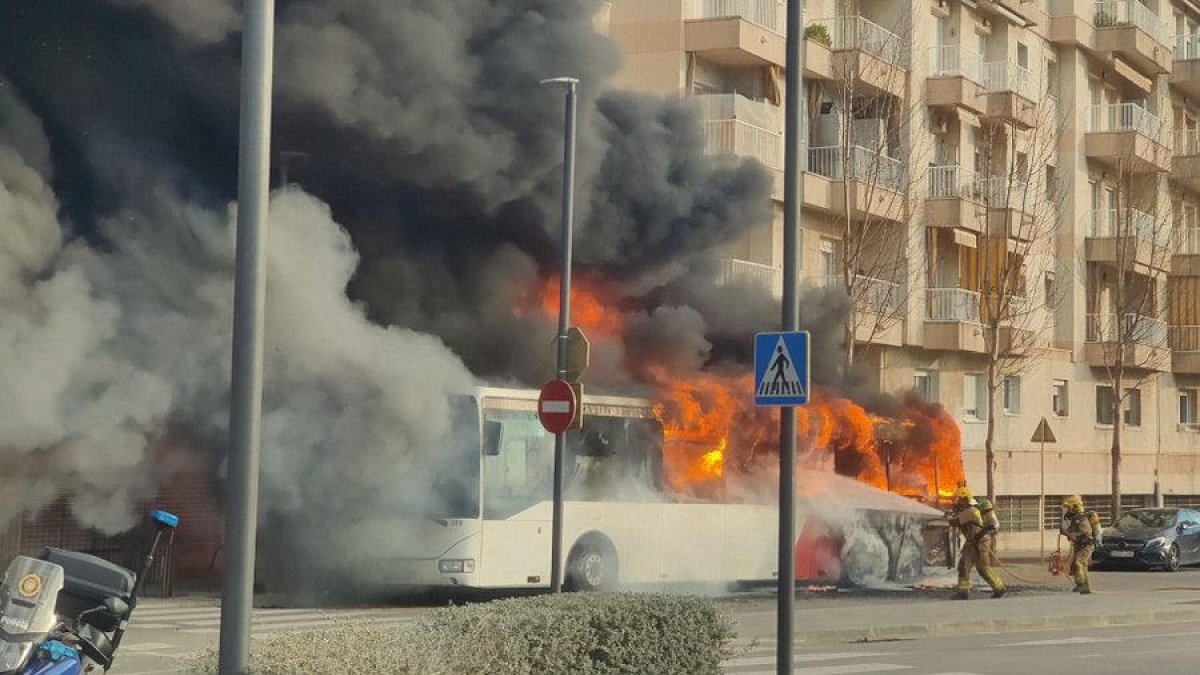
[{"x": 491, "y": 522}]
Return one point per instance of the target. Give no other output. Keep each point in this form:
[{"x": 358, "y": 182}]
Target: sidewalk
[{"x": 902, "y": 618}]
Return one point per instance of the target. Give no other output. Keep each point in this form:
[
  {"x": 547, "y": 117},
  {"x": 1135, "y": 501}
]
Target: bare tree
[
  {"x": 1021, "y": 197},
  {"x": 864, "y": 153}
]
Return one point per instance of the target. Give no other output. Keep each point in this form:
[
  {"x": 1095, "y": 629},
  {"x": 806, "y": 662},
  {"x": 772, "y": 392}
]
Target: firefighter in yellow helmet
[
  {"x": 991, "y": 527},
  {"x": 976, "y": 551},
  {"x": 1082, "y": 529}
]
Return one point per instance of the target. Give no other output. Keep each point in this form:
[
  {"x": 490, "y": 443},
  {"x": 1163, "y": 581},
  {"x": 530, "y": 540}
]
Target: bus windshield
[{"x": 455, "y": 463}]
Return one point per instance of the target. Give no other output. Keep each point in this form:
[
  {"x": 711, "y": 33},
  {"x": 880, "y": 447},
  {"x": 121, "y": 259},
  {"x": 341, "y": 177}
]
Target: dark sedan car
[{"x": 1151, "y": 538}]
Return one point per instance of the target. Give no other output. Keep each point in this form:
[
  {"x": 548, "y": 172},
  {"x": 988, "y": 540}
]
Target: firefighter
[
  {"x": 991, "y": 527},
  {"x": 975, "y": 550},
  {"x": 1082, "y": 529}
]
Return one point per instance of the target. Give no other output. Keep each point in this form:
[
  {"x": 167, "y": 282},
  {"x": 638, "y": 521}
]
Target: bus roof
[{"x": 592, "y": 405}]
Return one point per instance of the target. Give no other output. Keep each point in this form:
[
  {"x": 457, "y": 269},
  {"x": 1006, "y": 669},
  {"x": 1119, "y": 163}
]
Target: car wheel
[
  {"x": 592, "y": 564},
  {"x": 1172, "y": 558}
]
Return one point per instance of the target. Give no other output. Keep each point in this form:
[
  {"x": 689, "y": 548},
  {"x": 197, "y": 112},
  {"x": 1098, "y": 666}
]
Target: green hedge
[{"x": 573, "y": 633}]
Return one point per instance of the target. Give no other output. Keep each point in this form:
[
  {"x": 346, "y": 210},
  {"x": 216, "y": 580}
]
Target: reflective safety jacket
[
  {"x": 970, "y": 522},
  {"x": 1078, "y": 528}
]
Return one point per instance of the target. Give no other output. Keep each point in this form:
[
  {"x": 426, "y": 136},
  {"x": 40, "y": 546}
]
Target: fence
[
  {"x": 734, "y": 270},
  {"x": 1126, "y": 117},
  {"x": 1189, "y": 240},
  {"x": 1008, "y": 192},
  {"x": 1130, "y": 13},
  {"x": 1185, "y": 338},
  {"x": 733, "y": 106},
  {"x": 956, "y": 60},
  {"x": 1006, "y": 76},
  {"x": 1139, "y": 329},
  {"x": 1186, "y": 47},
  {"x": 857, "y": 32},
  {"x": 877, "y": 296},
  {"x": 1137, "y": 224},
  {"x": 952, "y": 304},
  {"x": 954, "y": 182},
  {"x": 1187, "y": 142},
  {"x": 856, "y": 162}
]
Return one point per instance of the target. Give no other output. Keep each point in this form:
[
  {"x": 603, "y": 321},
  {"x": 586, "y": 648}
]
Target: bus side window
[{"x": 492, "y": 431}]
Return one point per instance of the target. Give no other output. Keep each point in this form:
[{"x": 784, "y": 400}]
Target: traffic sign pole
[{"x": 564, "y": 320}]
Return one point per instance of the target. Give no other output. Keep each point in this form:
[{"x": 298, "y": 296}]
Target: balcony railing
[
  {"x": 877, "y": 296},
  {"x": 1185, "y": 338},
  {"x": 1126, "y": 117},
  {"x": 952, "y": 304},
  {"x": 999, "y": 76},
  {"x": 1008, "y": 192},
  {"x": 731, "y": 106},
  {"x": 954, "y": 182},
  {"x": 766, "y": 13},
  {"x": 1137, "y": 329},
  {"x": 1189, "y": 240},
  {"x": 1143, "y": 226},
  {"x": 857, "y": 32},
  {"x": 1130, "y": 13},
  {"x": 740, "y": 139},
  {"x": 955, "y": 60},
  {"x": 858, "y": 163},
  {"x": 1186, "y": 47},
  {"x": 1187, "y": 142},
  {"x": 734, "y": 270}
]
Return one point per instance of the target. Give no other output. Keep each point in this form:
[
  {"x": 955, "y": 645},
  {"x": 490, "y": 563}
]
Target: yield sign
[
  {"x": 557, "y": 406},
  {"x": 1043, "y": 434}
]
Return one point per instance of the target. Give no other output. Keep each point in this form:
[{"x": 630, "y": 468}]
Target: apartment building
[{"x": 988, "y": 176}]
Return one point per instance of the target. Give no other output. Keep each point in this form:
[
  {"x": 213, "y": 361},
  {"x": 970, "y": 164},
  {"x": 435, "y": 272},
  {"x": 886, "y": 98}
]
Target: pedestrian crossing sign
[{"x": 781, "y": 363}]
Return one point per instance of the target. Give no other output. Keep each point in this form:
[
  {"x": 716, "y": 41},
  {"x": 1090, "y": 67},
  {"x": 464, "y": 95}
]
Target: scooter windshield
[{"x": 27, "y": 599}]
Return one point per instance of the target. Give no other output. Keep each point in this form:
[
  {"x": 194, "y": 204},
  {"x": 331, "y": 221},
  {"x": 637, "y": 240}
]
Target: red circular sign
[{"x": 557, "y": 406}]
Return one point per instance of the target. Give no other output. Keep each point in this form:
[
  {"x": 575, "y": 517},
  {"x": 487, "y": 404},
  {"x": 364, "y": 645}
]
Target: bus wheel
[{"x": 592, "y": 564}]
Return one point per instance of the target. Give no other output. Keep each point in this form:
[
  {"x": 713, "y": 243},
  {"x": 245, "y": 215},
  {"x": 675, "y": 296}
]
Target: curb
[{"x": 1007, "y": 625}]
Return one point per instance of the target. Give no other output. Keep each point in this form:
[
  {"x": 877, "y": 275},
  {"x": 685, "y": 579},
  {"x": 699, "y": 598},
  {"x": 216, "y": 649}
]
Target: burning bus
[{"x": 629, "y": 517}]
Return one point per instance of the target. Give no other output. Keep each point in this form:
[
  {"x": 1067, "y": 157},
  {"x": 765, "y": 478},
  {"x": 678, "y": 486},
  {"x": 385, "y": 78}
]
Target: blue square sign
[{"x": 781, "y": 369}]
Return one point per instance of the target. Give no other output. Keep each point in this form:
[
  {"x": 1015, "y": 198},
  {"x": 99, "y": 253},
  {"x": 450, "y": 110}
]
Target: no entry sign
[{"x": 557, "y": 406}]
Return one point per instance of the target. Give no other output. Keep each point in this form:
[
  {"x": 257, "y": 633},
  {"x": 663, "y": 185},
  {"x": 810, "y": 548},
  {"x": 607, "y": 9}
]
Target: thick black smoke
[{"x": 427, "y": 165}]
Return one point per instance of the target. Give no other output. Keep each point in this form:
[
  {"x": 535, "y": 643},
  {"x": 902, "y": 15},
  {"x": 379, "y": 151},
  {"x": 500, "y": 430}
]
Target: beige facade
[{"x": 1064, "y": 134}]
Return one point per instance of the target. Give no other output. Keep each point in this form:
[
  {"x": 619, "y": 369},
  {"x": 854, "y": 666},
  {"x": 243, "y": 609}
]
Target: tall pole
[
  {"x": 564, "y": 320},
  {"x": 249, "y": 298},
  {"x": 1042, "y": 500},
  {"x": 793, "y": 197}
]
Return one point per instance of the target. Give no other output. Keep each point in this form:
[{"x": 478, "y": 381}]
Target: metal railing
[
  {"x": 1187, "y": 142},
  {"x": 1125, "y": 117},
  {"x": 1008, "y": 192},
  {"x": 1001, "y": 76},
  {"x": 740, "y": 139},
  {"x": 858, "y": 32},
  {"x": 954, "y": 182},
  {"x": 769, "y": 14},
  {"x": 1188, "y": 240},
  {"x": 856, "y": 162},
  {"x": 877, "y": 296},
  {"x": 1185, "y": 338},
  {"x": 1137, "y": 224},
  {"x": 734, "y": 106},
  {"x": 1186, "y": 47},
  {"x": 1130, "y": 13},
  {"x": 1138, "y": 329},
  {"x": 952, "y": 304},
  {"x": 954, "y": 60},
  {"x": 735, "y": 270}
]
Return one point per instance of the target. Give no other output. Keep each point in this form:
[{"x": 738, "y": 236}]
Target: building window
[
  {"x": 1051, "y": 184},
  {"x": 1058, "y": 398},
  {"x": 1051, "y": 290},
  {"x": 828, "y": 263},
  {"x": 1133, "y": 407},
  {"x": 1012, "y": 395},
  {"x": 1022, "y": 56},
  {"x": 974, "y": 397},
  {"x": 1104, "y": 404},
  {"x": 1187, "y": 408},
  {"x": 925, "y": 383},
  {"x": 1051, "y": 78}
]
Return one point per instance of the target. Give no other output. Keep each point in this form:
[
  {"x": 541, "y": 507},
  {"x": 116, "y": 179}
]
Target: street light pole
[
  {"x": 245, "y": 400},
  {"x": 564, "y": 319},
  {"x": 793, "y": 197}
]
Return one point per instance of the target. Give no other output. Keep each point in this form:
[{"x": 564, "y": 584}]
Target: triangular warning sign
[
  {"x": 1043, "y": 434},
  {"x": 781, "y": 379}
]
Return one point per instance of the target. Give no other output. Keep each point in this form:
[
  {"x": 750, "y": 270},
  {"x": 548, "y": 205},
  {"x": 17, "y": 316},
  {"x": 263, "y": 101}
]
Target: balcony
[
  {"x": 1126, "y": 133},
  {"x": 956, "y": 199},
  {"x": 955, "y": 79},
  {"x": 1186, "y": 259},
  {"x": 952, "y": 320},
  {"x": 737, "y": 138},
  {"x": 1144, "y": 339},
  {"x": 744, "y": 272},
  {"x": 1185, "y": 67},
  {"x": 1185, "y": 349},
  {"x": 736, "y": 32},
  {"x": 1136, "y": 241},
  {"x": 1122, "y": 31},
  {"x": 1010, "y": 207},
  {"x": 1012, "y": 93},
  {"x": 1185, "y": 164},
  {"x": 1016, "y": 322},
  {"x": 880, "y": 307},
  {"x": 867, "y": 54},
  {"x": 873, "y": 183}
]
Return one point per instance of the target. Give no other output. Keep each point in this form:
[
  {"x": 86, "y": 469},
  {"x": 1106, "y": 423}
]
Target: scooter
[{"x": 65, "y": 613}]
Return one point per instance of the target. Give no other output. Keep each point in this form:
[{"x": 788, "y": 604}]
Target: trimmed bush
[
  {"x": 573, "y": 633},
  {"x": 818, "y": 33}
]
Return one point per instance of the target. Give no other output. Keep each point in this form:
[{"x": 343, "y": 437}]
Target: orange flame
[{"x": 590, "y": 306}]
